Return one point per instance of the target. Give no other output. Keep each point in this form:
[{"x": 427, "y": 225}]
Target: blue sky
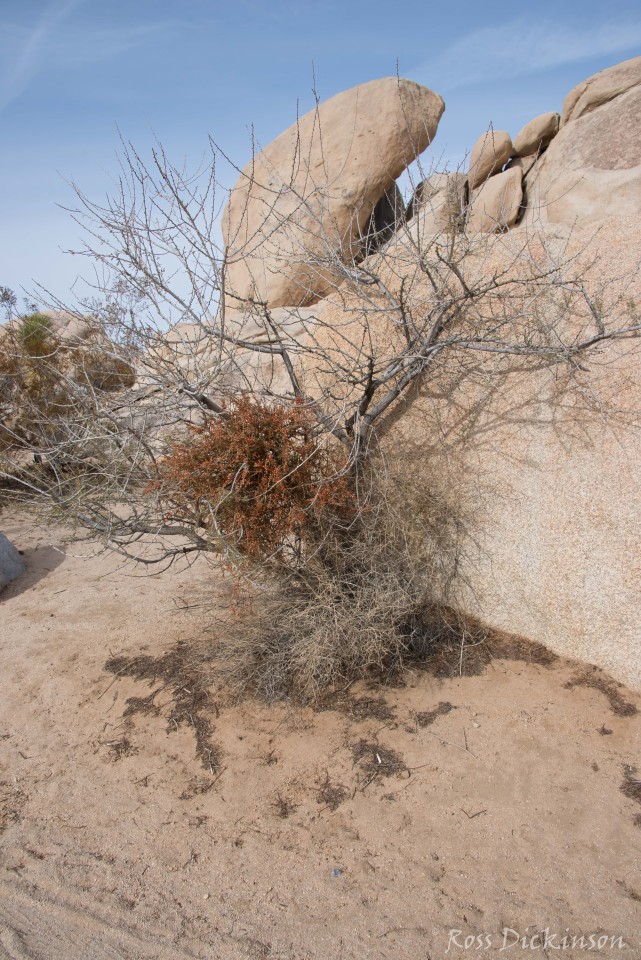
[{"x": 73, "y": 72}]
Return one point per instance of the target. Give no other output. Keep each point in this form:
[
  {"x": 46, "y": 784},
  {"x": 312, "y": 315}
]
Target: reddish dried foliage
[{"x": 262, "y": 474}]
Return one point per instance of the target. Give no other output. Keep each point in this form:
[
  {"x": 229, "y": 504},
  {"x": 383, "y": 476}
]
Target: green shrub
[{"x": 34, "y": 334}]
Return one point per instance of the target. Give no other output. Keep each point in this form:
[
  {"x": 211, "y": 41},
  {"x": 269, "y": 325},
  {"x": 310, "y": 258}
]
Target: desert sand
[{"x": 370, "y": 829}]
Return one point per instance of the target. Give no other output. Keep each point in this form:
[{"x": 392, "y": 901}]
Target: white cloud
[
  {"x": 53, "y": 43},
  {"x": 521, "y": 47}
]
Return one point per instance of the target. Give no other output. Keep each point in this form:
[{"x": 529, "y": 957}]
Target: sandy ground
[{"x": 504, "y": 809}]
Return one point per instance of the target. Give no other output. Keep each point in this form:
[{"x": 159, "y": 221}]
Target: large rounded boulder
[
  {"x": 592, "y": 169},
  {"x": 489, "y": 155},
  {"x": 305, "y": 203},
  {"x": 601, "y": 88}
]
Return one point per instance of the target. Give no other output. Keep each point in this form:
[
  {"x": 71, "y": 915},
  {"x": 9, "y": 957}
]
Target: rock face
[
  {"x": 311, "y": 192},
  {"x": 489, "y": 154},
  {"x": 606, "y": 139},
  {"x": 601, "y": 88},
  {"x": 11, "y": 565},
  {"x": 592, "y": 169},
  {"x": 443, "y": 197},
  {"x": 552, "y": 483},
  {"x": 590, "y": 196},
  {"x": 537, "y": 134},
  {"x": 438, "y": 206},
  {"x": 70, "y": 326},
  {"x": 495, "y": 206}
]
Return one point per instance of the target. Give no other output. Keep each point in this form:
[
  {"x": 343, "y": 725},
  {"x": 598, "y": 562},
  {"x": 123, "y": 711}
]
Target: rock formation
[
  {"x": 601, "y": 88},
  {"x": 315, "y": 187},
  {"x": 592, "y": 169},
  {"x": 301, "y": 200},
  {"x": 536, "y": 135},
  {"x": 581, "y": 167},
  {"x": 489, "y": 155},
  {"x": 495, "y": 205}
]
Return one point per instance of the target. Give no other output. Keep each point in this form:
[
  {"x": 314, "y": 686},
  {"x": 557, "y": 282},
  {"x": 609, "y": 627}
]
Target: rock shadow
[{"x": 39, "y": 563}]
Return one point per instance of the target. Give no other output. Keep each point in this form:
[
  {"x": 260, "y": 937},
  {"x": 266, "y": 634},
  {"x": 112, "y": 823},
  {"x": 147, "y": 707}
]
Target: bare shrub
[
  {"x": 352, "y": 609},
  {"x": 306, "y": 636}
]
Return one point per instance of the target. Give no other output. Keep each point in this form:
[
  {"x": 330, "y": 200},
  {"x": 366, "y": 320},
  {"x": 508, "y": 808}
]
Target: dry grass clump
[
  {"x": 631, "y": 788},
  {"x": 376, "y": 760},
  {"x": 283, "y": 806},
  {"x": 353, "y": 604},
  {"x": 351, "y": 610},
  {"x": 308, "y": 636},
  {"x": 12, "y": 800}
]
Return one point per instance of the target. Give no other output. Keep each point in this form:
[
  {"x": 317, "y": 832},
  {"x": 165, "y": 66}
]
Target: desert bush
[
  {"x": 332, "y": 564},
  {"x": 35, "y": 334},
  {"x": 259, "y": 479},
  {"x": 355, "y": 605},
  {"x": 100, "y": 368},
  {"x": 350, "y": 612}
]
